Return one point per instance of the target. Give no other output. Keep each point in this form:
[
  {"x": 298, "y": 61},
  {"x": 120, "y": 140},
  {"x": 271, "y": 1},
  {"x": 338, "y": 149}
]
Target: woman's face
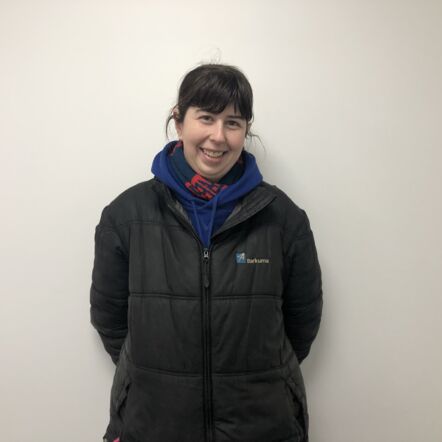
[{"x": 212, "y": 142}]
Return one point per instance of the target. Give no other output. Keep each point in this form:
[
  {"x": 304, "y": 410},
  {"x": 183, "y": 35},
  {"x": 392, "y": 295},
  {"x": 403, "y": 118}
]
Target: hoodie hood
[{"x": 207, "y": 216}]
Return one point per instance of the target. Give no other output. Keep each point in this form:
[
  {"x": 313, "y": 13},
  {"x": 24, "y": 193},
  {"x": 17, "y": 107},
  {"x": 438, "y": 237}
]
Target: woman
[{"x": 206, "y": 287}]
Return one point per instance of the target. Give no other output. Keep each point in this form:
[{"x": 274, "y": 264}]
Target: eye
[
  {"x": 206, "y": 118},
  {"x": 234, "y": 123}
]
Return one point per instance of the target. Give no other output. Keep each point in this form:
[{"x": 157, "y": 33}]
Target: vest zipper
[
  {"x": 207, "y": 355},
  {"x": 205, "y": 306}
]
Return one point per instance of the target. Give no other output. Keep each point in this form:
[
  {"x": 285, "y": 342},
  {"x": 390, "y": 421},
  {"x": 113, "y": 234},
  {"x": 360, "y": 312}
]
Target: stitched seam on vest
[
  {"x": 271, "y": 370},
  {"x": 223, "y": 297},
  {"x": 163, "y": 295},
  {"x": 148, "y": 222}
]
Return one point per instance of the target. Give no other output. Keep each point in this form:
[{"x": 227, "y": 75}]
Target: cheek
[
  {"x": 194, "y": 137},
  {"x": 238, "y": 142}
]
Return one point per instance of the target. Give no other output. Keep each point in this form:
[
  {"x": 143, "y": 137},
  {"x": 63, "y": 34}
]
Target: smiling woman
[
  {"x": 212, "y": 143},
  {"x": 206, "y": 287}
]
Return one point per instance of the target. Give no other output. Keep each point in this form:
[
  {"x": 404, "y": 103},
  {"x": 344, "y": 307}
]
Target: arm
[
  {"x": 109, "y": 290},
  {"x": 302, "y": 298}
]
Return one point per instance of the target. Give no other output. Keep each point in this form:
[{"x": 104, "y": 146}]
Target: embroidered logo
[{"x": 242, "y": 259}]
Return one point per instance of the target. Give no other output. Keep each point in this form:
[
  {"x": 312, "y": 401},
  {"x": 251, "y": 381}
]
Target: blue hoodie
[{"x": 207, "y": 216}]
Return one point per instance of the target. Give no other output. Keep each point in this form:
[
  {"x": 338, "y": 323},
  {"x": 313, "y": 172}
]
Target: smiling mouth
[{"x": 213, "y": 153}]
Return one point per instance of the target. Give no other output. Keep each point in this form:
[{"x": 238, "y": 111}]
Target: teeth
[{"x": 212, "y": 154}]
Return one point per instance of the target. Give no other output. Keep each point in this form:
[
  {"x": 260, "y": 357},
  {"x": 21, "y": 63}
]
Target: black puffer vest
[{"x": 207, "y": 342}]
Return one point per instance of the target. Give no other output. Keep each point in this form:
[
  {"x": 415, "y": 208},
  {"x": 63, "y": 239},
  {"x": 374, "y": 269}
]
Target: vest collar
[{"x": 248, "y": 206}]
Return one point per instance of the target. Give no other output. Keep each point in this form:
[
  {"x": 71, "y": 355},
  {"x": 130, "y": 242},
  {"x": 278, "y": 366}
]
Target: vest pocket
[
  {"x": 120, "y": 389},
  {"x": 162, "y": 407},
  {"x": 298, "y": 405},
  {"x": 120, "y": 401}
]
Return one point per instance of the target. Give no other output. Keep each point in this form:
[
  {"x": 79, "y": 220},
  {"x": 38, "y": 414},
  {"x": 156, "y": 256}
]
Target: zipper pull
[{"x": 206, "y": 268}]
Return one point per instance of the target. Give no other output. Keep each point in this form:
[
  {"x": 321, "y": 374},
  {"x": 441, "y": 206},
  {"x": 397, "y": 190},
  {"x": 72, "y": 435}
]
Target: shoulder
[
  {"x": 292, "y": 217},
  {"x": 133, "y": 203}
]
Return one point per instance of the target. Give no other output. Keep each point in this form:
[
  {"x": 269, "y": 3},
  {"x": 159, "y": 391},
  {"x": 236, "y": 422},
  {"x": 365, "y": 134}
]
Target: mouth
[{"x": 212, "y": 153}]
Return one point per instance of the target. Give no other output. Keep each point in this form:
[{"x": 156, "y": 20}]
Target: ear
[
  {"x": 178, "y": 125},
  {"x": 178, "y": 128},
  {"x": 249, "y": 125}
]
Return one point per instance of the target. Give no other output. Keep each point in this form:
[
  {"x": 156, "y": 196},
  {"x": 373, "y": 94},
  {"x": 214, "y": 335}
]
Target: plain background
[{"x": 348, "y": 104}]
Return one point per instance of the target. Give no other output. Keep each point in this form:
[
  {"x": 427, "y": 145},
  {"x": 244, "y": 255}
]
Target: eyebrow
[{"x": 237, "y": 117}]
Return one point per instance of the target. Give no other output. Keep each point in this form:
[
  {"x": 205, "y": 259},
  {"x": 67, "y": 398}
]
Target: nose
[{"x": 217, "y": 134}]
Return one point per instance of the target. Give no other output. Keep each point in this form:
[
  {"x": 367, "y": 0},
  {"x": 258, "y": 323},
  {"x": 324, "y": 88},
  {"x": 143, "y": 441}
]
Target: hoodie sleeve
[
  {"x": 302, "y": 298},
  {"x": 109, "y": 290}
]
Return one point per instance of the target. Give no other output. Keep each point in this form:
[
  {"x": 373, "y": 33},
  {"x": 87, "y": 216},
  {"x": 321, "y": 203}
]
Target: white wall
[{"x": 348, "y": 104}]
